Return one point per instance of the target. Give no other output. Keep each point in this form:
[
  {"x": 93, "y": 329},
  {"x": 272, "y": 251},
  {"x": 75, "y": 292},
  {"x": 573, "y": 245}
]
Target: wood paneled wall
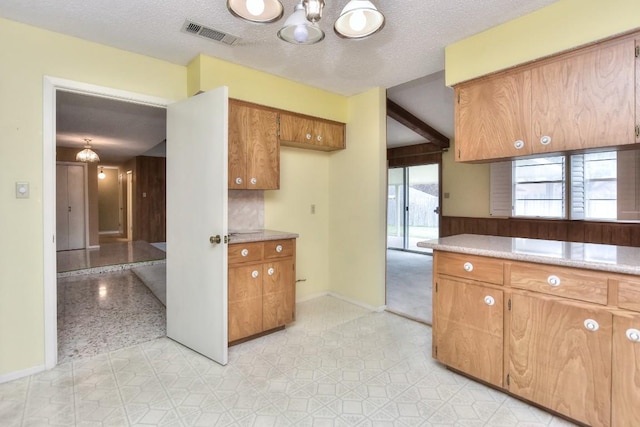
[
  {"x": 610, "y": 233},
  {"x": 150, "y": 199}
]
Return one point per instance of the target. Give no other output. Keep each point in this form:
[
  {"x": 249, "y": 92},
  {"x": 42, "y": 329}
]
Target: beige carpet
[{"x": 409, "y": 284}]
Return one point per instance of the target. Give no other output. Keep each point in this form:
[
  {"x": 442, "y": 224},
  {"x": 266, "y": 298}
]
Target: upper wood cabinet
[
  {"x": 297, "y": 130},
  {"x": 576, "y": 100},
  {"x": 254, "y": 148}
]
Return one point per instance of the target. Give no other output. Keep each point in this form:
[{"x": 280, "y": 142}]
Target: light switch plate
[{"x": 22, "y": 190}]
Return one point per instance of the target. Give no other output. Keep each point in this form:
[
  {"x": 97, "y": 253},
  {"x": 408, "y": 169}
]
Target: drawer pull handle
[
  {"x": 489, "y": 300},
  {"x": 279, "y": 248},
  {"x": 545, "y": 140},
  {"x": 633, "y": 335},
  {"x": 519, "y": 144},
  {"x": 244, "y": 252},
  {"x": 255, "y": 274},
  {"x": 553, "y": 281},
  {"x": 270, "y": 271},
  {"x": 468, "y": 266},
  {"x": 308, "y": 136},
  {"x": 254, "y": 181},
  {"x": 591, "y": 325},
  {"x": 238, "y": 181}
]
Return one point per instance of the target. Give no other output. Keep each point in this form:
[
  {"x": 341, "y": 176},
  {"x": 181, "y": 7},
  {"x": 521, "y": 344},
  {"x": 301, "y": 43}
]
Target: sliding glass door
[{"x": 413, "y": 209}]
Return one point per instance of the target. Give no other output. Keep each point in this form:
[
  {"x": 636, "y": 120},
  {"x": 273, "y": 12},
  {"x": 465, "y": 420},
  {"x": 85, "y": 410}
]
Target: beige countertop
[
  {"x": 244, "y": 236},
  {"x": 618, "y": 259}
]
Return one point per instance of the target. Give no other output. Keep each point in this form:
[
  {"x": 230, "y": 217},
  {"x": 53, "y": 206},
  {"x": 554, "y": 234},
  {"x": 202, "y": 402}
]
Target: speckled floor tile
[{"x": 108, "y": 255}]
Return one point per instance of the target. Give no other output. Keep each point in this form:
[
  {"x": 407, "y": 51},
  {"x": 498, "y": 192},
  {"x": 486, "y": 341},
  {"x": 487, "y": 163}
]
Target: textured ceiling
[{"x": 410, "y": 46}]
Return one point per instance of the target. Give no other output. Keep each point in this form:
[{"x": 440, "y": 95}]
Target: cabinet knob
[
  {"x": 255, "y": 274},
  {"x": 468, "y": 266},
  {"x": 270, "y": 271},
  {"x": 279, "y": 248},
  {"x": 238, "y": 181},
  {"x": 308, "y": 136},
  {"x": 633, "y": 335},
  {"x": 519, "y": 144},
  {"x": 489, "y": 300},
  {"x": 553, "y": 280},
  {"x": 244, "y": 252},
  {"x": 319, "y": 138},
  {"x": 545, "y": 140},
  {"x": 591, "y": 325},
  {"x": 254, "y": 181}
]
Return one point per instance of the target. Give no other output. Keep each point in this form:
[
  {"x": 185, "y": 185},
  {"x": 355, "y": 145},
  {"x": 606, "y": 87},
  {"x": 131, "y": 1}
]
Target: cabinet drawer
[
  {"x": 278, "y": 248},
  {"x": 470, "y": 267},
  {"x": 245, "y": 252},
  {"x": 581, "y": 285},
  {"x": 629, "y": 294}
]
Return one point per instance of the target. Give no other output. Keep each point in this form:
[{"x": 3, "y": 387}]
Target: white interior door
[
  {"x": 197, "y": 209},
  {"x": 70, "y": 206}
]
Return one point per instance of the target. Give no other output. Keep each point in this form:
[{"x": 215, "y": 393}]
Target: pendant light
[
  {"x": 297, "y": 29},
  {"x": 101, "y": 175},
  {"x": 87, "y": 155},
  {"x": 259, "y": 11},
  {"x": 359, "y": 19}
]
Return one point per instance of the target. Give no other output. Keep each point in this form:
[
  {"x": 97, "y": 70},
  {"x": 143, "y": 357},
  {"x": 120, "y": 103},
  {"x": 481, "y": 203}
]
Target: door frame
[{"x": 50, "y": 86}]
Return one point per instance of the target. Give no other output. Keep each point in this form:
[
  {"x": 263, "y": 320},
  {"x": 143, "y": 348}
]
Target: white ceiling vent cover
[{"x": 194, "y": 28}]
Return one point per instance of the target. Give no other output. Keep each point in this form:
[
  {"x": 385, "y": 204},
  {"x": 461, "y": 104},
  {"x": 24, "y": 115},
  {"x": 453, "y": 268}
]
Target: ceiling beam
[{"x": 407, "y": 119}]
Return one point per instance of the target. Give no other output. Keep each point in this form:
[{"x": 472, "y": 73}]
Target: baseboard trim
[
  {"x": 312, "y": 296},
  {"x": 357, "y": 302},
  {"x": 107, "y": 233},
  {"x": 21, "y": 374}
]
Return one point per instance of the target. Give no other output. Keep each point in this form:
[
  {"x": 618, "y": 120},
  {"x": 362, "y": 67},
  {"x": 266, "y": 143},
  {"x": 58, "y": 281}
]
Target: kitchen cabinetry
[
  {"x": 261, "y": 287},
  {"x": 254, "y": 148},
  {"x": 301, "y": 131},
  {"x": 576, "y": 100},
  {"x": 561, "y": 336}
]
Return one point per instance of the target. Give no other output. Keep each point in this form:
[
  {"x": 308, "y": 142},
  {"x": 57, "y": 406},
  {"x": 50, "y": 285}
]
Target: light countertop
[
  {"x": 618, "y": 259},
  {"x": 244, "y": 236}
]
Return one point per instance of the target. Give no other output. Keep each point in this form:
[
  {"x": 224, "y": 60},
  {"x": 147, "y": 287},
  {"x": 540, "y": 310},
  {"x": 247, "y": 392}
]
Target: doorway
[{"x": 413, "y": 211}]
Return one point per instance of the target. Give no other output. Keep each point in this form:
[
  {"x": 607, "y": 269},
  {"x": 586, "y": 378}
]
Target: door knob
[{"x": 214, "y": 240}]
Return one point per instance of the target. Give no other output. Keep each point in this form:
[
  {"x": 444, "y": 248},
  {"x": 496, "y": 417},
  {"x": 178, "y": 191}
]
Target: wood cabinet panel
[
  {"x": 491, "y": 115},
  {"x": 470, "y": 267},
  {"x": 278, "y": 248},
  {"x": 625, "y": 410},
  {"x": 586, "y": 99},
  {"x": 468, "y": 333},
  {"x": 245, "y": 301},
  {"x": 245, "y": 252},
  {"x": 297, "y": 130},
  {"x": 582, "y": 285},
  {"x": 629, "y": 294},
  {"x": 277, "y": 296},
  {"x": 254, "y": 148},
  {"x": 555, "y": 361}
]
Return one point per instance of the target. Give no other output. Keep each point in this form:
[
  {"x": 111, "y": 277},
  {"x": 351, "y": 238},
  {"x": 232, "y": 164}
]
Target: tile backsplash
[{"x": 246, "y": 210}]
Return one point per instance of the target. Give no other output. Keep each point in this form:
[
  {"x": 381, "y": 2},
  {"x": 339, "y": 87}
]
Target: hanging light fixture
[
  {"x": 87, "y": 155},
  {"x": 259, "y": 11},
  {"x": 297, "y": 29},
  {"x": 101, "y": 175},
  {"x": 359, "y": 19}
]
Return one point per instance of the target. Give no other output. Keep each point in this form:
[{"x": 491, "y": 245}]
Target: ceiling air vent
[{"x": 191, "y": 27}]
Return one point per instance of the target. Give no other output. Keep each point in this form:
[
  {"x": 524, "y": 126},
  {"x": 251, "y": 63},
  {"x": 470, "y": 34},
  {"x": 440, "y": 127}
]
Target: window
[{"x": 590, "y": 186}]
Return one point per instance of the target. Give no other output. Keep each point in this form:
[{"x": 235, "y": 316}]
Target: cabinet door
[
  {"x": 625, "y": 410},
  {"x": 468, "y": 329},
  {"x": 555, "y": 360},
  {"x": 278, "y": 294},
  {"x": 238, "y": 123},
  {"x": 245, "y": 301},
  {"x": 296, "y": 129},
  {"x": 329, "y": 136},
  {"x": 492, "y": 115},
  {"x": 263, "y": 150},
  {"x": 586, "y": 99}
]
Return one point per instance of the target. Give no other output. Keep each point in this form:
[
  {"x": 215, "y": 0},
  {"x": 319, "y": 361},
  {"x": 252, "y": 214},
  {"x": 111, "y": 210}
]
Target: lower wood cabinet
[
  {"x": 625, "y": 399},
  {"x": 261, "y": 282}
]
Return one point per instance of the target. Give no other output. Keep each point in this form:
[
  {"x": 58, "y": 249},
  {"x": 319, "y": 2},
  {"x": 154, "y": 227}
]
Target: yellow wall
[
  {"x": 26, "y": 55},
  {"x": 467, "y": 185},
  {"x": 357, "y": 223},
  {"x": 557, "y": 27}
]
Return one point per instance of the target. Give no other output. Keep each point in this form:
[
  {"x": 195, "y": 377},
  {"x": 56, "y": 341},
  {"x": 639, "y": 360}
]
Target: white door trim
[{"x": 50, "y": 86}]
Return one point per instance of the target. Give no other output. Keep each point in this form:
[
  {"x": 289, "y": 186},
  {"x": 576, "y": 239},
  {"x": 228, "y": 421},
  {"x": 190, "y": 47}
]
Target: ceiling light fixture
[
  {"x": 87, "y": 155},
  {"x": 359, "y": 19},
  {"x": 258, "y": 11},
  {"x": 101, "y": 175},
  {"x": 297, "y": 29}
]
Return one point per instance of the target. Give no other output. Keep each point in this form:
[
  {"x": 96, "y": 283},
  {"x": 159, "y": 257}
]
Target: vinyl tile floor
[{"x": 337, "y": 365}]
